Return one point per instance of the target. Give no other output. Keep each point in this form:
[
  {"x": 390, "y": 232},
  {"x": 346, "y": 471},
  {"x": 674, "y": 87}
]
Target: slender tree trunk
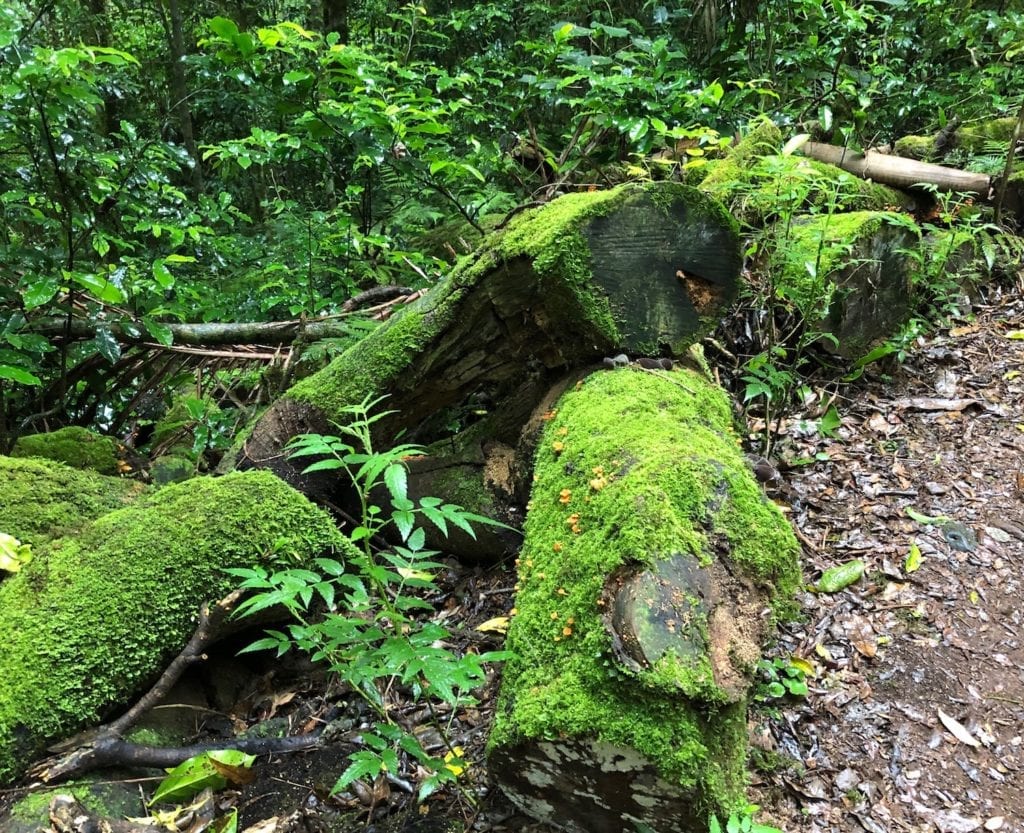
[
  {"x": 336, "y": 18},
  {"x": 179, "y": 89}
]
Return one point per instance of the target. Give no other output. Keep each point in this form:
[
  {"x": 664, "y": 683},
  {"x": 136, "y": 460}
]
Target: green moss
[
  {"x": 917, "y": 147},
  {"x": 90, "y": 620},
  {"x": 41, "y": 499},
  {"x": 650, "y": 469},
  {"x": 77, "y": 447},
  {"x": 112, "y": 801},
  {"x": 776, "y": 185},
  {"x": 825, "y": 242},
  {"x": 974, "y": 137}
]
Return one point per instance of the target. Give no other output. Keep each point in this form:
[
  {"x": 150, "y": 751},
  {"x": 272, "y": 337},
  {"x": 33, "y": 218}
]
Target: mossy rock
[
  {"x": 649, "y": 558},
  {"x": 171, "y": 468},
  {"x": 849, "y": 275},
  {"x": 107, "y": 799},
  {"x": 92, "y": 619},
  {"x": 923, "y": 148},
  {"x": 979, "y": 137},
  {"x": 77, "y": 447},
  {"x": 41, "y": 499}
]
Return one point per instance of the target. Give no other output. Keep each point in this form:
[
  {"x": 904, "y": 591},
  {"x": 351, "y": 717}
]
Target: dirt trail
[{"x": 928, "y": 467}]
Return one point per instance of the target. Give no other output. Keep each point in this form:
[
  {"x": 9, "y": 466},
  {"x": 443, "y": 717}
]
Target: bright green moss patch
[
  {"x": 106, "y": 800},
  {"x": 776, "y": 185},
  {"x": 917, "y": 147},
  {"x": 91, "y": 620},
  {"x": 635, "y": 469},
  {"x": 41, "y": 499},
  {"x": 77, "y": 447}
]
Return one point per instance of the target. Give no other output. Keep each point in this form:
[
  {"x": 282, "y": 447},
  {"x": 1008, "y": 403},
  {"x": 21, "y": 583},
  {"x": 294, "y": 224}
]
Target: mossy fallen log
[
  {"x": 649, "y": 569},
  {"x": 850, "y": 276},
  {"x": 92, "y": 619},
  {"x": 643, "y": 268},
  {"x": 42, "y": 499},
  {"x": 758, "y": 182}
]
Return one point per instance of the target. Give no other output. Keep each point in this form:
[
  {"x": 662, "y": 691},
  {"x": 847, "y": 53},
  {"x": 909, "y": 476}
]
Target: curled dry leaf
[{"x": 957, "y": 729}]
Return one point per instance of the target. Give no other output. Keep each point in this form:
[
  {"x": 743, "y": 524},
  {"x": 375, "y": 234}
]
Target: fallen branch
[{"x": 104, "y": 746}]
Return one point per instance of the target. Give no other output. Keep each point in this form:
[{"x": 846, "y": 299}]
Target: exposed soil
[{"x": 924, "y": 482}]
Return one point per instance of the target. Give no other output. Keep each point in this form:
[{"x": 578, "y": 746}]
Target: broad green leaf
[
  {"x": 107, "y": 345},
  {"x": 162, "y": 275},
  {"x": 223, "y": 27},
  {"x": 198, "y": 773},
  {"x": 836, "y": 578},
  {"x": 40, "y": 290},
  {"x": 100, "y": 287},
  {"x": 161, "y": 332},
  {"x": 17, "y": 374}
]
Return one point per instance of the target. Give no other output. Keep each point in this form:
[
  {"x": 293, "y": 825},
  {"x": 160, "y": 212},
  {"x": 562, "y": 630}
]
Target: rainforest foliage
[{"x": 165, "y": 162}]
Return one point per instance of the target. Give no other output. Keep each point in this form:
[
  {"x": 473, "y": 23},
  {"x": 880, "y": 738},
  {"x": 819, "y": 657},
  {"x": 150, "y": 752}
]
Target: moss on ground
[
  {"x": 91, "y": 620},
  {"x": 41, "y": 499},
  {"x": 106, "y": 800},
  {"x": 77, "y": 447},
  {"x": 646, "y": 468}
]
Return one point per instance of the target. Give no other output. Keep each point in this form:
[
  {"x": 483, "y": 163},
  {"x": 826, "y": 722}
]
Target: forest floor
[{"x": 915, "y": 716}]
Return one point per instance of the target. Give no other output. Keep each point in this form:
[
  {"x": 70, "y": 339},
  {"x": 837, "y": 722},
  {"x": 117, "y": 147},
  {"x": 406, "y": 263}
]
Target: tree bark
[
  {"x": 645, "y": 270},
  {"x": 173, "y": 25},
  {"x": 899, "y": 172}
]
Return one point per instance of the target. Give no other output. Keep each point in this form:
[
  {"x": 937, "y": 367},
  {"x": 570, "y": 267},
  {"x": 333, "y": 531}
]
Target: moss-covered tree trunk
[
  {"x": 642, "y": 269},
  {"x": 851, "y": 276},
  {"x": 650, "y": 564}
]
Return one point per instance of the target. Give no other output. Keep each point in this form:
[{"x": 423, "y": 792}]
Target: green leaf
[
  {"x": 397, "y": 480},
  {"x": 161, "y": 332},
  {"x": 107, "y": 345},
  {"x": 914, "y": 559},
  {"x": 162, "y": 275},
  {"x": 18, "y": 375},
  {"x": 223, "y": 27},
  {"x": 405, "y": 521},
  {"x": 39, "y": 291},
  {"x": 836, "y": 578},
  {"x": 198, "y": 773},
  {"x": 100, "y": 287}
]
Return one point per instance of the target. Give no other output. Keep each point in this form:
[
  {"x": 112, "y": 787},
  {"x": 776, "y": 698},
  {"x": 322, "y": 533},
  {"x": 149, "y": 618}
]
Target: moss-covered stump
[
  {"x": 41, "y": 499},
  {"x": 650, "y": 564},
  {"x": 641, "y": 268},
  {"x": 92, "y": 619},
  {"x": 850, "y": 275},
  {"x": 77, "y": 447}
]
